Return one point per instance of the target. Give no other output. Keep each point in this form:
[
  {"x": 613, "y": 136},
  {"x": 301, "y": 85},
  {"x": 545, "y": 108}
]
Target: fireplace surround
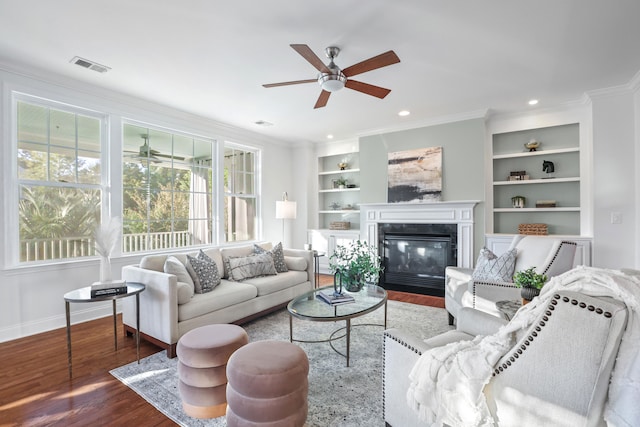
[{"x": 418, "y": 240}]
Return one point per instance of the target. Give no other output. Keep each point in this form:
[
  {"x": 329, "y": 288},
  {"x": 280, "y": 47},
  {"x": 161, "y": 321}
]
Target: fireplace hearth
[{"x": 415, "y": 256}]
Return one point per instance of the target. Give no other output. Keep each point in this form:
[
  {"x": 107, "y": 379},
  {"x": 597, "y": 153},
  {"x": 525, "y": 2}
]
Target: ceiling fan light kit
[{"x": 331, "y": 78}]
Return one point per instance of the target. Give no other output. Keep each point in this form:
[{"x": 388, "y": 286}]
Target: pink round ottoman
[
  {"x": 202, "y": 358},
  {"x": 268, "y": 385}
]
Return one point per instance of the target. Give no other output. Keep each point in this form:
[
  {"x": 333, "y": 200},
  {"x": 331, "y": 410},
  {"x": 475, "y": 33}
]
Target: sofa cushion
[
  {"x": 205, "y": 271},
  {"x": 153, "y": 262},
  {"x": 237, "y": 251},
  {"x": 185, "y": 292},
  {"x": 241, "y": 268},
  {"x": 495, "y": 268},
  {"x": 224, "y": 295},
  {"x": 277, "y": 254},
  {"x": 296, "y": 263},
  {"x": 173, "y": 265},
  {"x": 270, "y": 284}
]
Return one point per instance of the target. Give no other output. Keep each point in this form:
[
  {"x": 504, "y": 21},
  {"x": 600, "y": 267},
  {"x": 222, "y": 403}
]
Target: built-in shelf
[
  {"x": 338, "y": 190},
  {"x": 338, "y": 172},
  {"x": 538, "y": 181},
  {"x": 340, "y": 211},
  {"x": 330, "y": 195},
  {"x": 560, "y": 145},
  {"x": 523, "y": 210},
  {"x": 536, "y": 153}
]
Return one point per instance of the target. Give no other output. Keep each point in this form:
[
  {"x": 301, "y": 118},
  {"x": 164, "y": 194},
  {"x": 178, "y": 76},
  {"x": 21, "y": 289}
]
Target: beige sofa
[{"x": 168, "y": 309}]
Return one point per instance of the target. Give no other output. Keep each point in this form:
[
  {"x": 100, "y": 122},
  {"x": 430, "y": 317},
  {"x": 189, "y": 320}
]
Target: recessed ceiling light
[
  {"x": 404, "y": 113},
  {"x": 329, "y": 136},
  {"x": 263, "y": 123},
  {"x": 533, "y": 102}
]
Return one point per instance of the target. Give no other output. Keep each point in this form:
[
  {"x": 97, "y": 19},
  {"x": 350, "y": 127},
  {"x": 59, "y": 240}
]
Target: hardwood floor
[{"x": 35, "y": 389}]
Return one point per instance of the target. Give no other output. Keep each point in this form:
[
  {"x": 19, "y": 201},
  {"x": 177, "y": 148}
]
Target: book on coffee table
[
  {"x": 112, "y": 287},
  {"x": 333, "y": 299}
]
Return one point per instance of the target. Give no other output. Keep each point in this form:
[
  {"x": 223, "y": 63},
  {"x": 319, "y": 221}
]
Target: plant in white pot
[{"x": 531, "y": 283}]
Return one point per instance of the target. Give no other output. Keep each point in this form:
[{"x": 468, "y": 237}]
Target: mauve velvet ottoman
[{"x": 268, "y": 385}]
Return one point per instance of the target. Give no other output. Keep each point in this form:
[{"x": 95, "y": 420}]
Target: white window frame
[{"x": 12, "y": 256}]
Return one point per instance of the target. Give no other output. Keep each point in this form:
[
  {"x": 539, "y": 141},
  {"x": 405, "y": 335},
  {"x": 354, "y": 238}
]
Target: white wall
[
  {"x": 32, "y": 297},
  {"x": 614, "y": 179}
]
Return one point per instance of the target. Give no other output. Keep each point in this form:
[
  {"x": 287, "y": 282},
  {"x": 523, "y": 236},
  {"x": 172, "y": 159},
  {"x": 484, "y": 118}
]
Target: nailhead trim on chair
[
  {"x": 384, "y": 348},
  {"x": 549, "y": 312},
  {"x": 510, "y": 285},
  {"x": 564, "y": 242}
]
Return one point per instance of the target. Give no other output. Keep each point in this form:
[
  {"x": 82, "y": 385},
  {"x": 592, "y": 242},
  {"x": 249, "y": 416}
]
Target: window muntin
[
  {"x": 59, "y": 179},
  {"x": 168, "y": 192},
  {"x": 240, "y": 198}
]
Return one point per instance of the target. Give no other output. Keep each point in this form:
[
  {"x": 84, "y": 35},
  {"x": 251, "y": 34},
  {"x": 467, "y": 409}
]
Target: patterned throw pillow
[
  {"x": 493, "y": 268},
  {"x": 278, "y": 256},
  {"x": 241, "y": 268},
  {"x": 204, "y": 272}
]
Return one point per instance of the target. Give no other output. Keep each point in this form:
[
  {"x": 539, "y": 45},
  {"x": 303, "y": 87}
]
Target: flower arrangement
[{"x": 356, "y": 264}]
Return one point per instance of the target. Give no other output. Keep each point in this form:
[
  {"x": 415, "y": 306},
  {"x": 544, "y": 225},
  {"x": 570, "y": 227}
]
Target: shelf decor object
[
  {"x": 532, "y": 145},
  {"x": 339, "y": 225},
  {"x": 533, "y": 229},
  {"x": 518, "y": 201}
]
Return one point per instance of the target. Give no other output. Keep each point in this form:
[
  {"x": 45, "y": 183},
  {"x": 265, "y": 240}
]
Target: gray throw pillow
[
  {"x": 205, "y": 273},
  {"x": 241, "y": 268},
  {"x": 278, "y": 256},
  {"x": 494, "y": 268}
]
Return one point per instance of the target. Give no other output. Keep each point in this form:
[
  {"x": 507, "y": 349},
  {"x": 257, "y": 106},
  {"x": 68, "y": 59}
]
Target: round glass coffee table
[{"x": 308, "y": 307}]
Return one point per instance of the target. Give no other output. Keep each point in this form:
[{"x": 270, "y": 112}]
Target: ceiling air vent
[{"x": 85, "y": 63}]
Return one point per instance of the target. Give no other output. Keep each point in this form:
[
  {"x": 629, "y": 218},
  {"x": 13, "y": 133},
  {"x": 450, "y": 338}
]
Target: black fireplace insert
[{"x": 415, "y": 256}]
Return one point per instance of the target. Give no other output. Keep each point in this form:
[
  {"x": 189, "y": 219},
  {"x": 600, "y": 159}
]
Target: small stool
[
  {"x": 202, "y": 358},
  {"x": 268, "y": 385}
]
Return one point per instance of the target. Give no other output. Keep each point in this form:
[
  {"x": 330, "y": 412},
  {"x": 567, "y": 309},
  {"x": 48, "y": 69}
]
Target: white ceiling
[{"x": 212, "y": 57}]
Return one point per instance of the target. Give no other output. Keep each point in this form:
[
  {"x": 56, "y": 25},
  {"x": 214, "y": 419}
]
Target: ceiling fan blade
[
  {"x": 294, "y": 82},
  {"x": 377, "y": 91},
  {"x": 306, "y": 52},
  {"x": 322, "y": 99},
  {"x": 374, "y": 63}
]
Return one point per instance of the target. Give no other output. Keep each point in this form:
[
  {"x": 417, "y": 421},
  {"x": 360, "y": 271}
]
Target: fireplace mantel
[{"x": 455, "y": 212}]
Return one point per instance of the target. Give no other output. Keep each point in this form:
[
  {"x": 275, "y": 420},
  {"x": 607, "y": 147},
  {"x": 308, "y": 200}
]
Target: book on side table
[
  {"x": 333, "y": 299},
  {"x": 112, "y": 287}
]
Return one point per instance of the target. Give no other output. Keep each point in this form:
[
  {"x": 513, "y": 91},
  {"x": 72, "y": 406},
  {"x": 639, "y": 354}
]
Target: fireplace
[{"x": 415, "y": 256}]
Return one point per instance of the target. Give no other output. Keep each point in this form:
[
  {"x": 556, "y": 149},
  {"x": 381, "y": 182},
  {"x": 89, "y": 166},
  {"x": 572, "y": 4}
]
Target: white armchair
[
  {"x": 548, "y": 255},
  {"x": 557, "y": 372}
]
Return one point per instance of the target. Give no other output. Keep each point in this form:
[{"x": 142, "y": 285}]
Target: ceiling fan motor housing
[{"x": 335, "y": 79}]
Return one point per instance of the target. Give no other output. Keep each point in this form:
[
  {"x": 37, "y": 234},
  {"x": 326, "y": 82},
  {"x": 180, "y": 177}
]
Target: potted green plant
[
  {"x": 341, "y": 182},
  {"x": 530, "y": 281},
  {"x": 355, "y": 264}
]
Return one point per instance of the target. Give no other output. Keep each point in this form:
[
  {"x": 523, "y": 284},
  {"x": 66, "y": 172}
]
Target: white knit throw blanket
[{"x": 447, "y": 382}]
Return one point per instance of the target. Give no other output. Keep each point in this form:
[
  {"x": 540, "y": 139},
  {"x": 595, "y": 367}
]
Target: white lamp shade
[{"x": 285, "y": 209}]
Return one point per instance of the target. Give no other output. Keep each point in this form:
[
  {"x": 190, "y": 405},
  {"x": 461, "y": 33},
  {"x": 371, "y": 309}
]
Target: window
[
  {"x": 167, "y": 189},
  {"x": 240, "y": 199},
  {"x": 59, "y": 179}
]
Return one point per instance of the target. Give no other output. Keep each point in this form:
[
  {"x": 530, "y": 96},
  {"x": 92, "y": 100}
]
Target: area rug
[{"x": 338, "y": 396}]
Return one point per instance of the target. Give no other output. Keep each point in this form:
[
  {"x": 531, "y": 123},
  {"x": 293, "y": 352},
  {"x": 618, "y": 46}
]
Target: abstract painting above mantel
[{"x": 415, "y": 175}]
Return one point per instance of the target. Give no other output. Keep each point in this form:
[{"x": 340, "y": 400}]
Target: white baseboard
[{"x": 91, "y": 312}]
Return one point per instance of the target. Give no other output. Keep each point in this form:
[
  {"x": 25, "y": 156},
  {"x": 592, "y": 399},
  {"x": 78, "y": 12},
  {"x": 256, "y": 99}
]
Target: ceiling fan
[
  {"x": 147, "y": 153},
  {"x": 331, "y": 78}
]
